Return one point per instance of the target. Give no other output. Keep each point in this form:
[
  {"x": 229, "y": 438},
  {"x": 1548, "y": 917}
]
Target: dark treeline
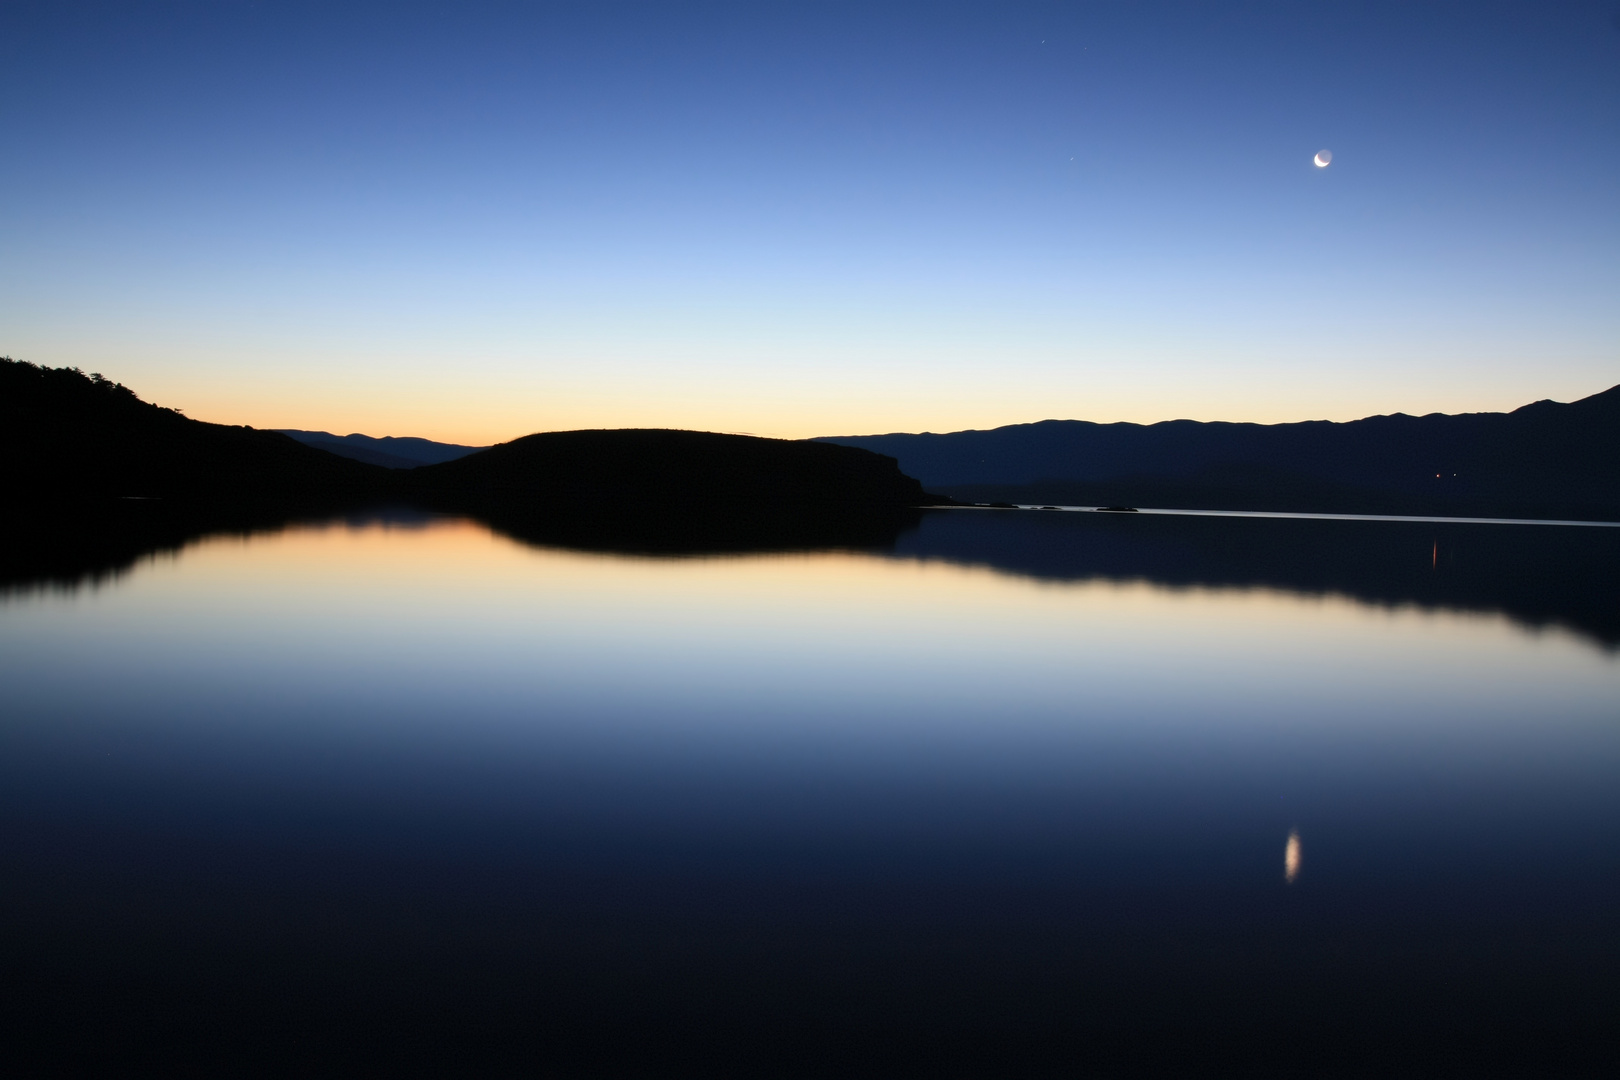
[{"x": 67, "y": 436}]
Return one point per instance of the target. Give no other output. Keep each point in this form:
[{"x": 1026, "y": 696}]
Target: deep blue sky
[{"x": 471, "y": 221}]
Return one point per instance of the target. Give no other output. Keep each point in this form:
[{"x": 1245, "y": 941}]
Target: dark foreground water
[{"x": 1022, "y": 795}]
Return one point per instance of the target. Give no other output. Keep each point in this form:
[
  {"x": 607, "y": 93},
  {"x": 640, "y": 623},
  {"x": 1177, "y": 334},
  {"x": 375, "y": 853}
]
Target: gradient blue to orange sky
[{"x": 473, "y": 221}]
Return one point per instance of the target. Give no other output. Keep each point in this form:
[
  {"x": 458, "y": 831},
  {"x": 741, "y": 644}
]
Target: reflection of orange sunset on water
[{"x": 1240, "y": 657}]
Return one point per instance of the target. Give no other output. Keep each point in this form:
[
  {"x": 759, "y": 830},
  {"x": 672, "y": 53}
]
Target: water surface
[{"x": 1009, "y": 796}]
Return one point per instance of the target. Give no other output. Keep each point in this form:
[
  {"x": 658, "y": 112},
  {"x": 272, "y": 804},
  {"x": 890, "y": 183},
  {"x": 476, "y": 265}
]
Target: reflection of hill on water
[
  {"x": 1538, "y": 576},
  {"x": 699, "y": 530},
  {"x": 1535, "y": 575},
  {"x": 89, "y": 541},
  {"x": 85, "y": 542}
]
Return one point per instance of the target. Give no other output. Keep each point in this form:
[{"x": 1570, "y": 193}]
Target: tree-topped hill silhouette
[{"x": 68, "y": 435}]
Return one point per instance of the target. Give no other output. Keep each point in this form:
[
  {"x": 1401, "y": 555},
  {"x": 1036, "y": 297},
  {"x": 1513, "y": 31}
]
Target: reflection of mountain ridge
[{"x": 1535, "y": 575}]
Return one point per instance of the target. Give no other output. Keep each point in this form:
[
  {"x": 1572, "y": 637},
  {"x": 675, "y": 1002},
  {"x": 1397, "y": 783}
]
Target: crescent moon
[{"x": 1323, "y": 158}]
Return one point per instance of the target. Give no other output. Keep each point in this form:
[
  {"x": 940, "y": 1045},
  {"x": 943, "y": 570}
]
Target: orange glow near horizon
[{"x": 484, "y": 410}]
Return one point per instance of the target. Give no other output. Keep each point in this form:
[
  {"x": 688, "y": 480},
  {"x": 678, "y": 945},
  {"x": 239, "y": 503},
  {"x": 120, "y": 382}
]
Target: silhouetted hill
[
  {"x": 388, "y": 451},
  {"x": 67, "y": 435},
  {"x": 577, "y": 467},
  {"x": 661, "y": 490},
  {"x": 1543, "y": 460}
]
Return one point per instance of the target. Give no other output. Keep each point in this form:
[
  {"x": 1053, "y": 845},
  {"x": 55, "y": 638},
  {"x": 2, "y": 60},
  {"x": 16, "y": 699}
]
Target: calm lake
[{"x": 1019, "y": 794}]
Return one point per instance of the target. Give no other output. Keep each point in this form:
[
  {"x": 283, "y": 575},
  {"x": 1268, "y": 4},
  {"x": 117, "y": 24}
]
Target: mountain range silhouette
[
  {"x": 1545, "y": 460},
  {"x": 388, "y": 451},
  {"x": 71, "y": 435}
]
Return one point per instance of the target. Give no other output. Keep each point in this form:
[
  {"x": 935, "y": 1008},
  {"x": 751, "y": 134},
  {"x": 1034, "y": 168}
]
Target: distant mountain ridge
[
  {"x": 389, "y": 451},
  {"x": 1543, "y": 460}
]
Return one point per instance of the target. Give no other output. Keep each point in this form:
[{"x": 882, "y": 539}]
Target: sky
[{"x": 472, "y": 221}]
